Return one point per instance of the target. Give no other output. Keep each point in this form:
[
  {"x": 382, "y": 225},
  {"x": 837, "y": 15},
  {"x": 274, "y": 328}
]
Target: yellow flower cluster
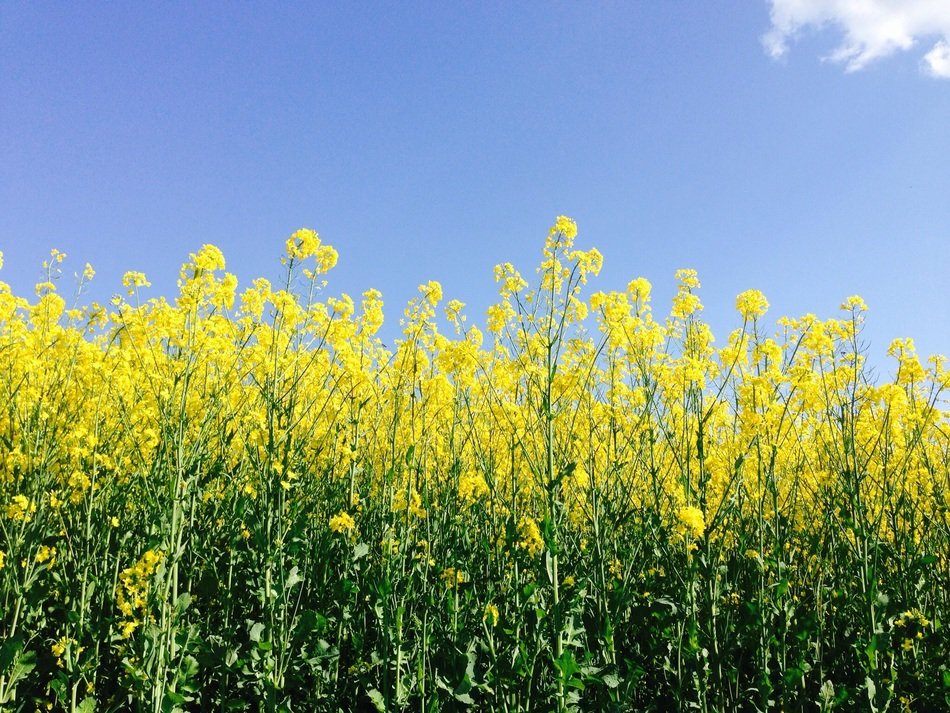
[
  {"x": 912, "y": 616},
  {"x": 134, "y": 280},
  {"x": 342, "y": 522},
  {"x": 305, "y": 243},
  {"x": 472, "y": 487},
  {"x": 453, "y": 577},
  {"x": 692, "y": 522},
  {"x": 751, "y": 304},
  {"x": 20, "y": 508},
  {"x": 529, "y": 536},
  {"x": 46, "y": 555},
  {"x": 410, "y": 503},
  {"x": 132, "y": 592},
  {"x": 67, "y": 647}
]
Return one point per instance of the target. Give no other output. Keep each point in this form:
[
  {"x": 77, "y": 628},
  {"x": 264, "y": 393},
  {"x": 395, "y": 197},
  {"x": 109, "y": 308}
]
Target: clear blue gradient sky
[{"x": 432, "y": 140}]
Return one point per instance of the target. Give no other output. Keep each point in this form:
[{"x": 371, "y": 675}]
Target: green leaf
[
  {"x": 465, "y": 685},
  {"x": 21, "y": 664},
  {"x": 9, "y": 650},
  {"x": 293, "y": 577},
  {"x": 257, "y": 628},
  {"x": 188, "y": 668},
  {"x": 567, "y": 666},
  {"x": 88, "y": 705},
  {"x": 377, "y": 699},
  {"x": 184, "y": 601},
  {"x": 175, "y": 698}
]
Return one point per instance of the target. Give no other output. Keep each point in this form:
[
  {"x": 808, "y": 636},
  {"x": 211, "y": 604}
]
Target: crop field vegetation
[{"x": 242, "y": 500}]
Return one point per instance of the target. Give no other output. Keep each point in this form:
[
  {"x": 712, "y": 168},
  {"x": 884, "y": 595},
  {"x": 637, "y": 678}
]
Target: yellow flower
[
  {"x": 342, "y": 522},
  {"x": 511, "y": 280},
  {"x": 490, "y": 615},
  {"x": 688, "y": 278},
  {"x": 561, "y": 233},
  {"x": 472, "y": 487},
  {"x": 132, "y": 280},
  {"x": 616, "y": 568},
  {"x": 854, "y": 304},
  {"x": 326, "y": 258},
  {"x": 685, "y": 304},
  {"x": 639, "y": 290},
  {"x": 372, "y": 305},
  {"x": 302, "y": 244},
  {"x": 498, "y": 317},
  {"x": 692, "y": 522},
  {"x": 432, "y": 291},
  {"x": 3, "y": 557},
  {"x": 529, "y": 534},
  {"x": 751, "y": 304},
  {"x": 588, "y": 263},
  {"x": 208, "y": 258},
  {"x": 59, "y": 647},
  {"x": 62, "y": 646},
  {"x": 412, "y": 503},
  {"x": 453, "y": 577},
  {"x": 46, "y": 554},
  {"x": 133, "y": 589},
  {"x": 21, "y": 508}
]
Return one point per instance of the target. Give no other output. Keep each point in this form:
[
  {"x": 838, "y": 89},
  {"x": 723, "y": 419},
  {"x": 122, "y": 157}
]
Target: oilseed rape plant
[{"x": 241, "y": 499}]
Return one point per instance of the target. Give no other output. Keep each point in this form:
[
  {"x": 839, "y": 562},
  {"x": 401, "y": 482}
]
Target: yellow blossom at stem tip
[
  {"x": 342, "y": 522},
  {"x": 751, "y": 304},
  {"x": 692, "y": 522}
]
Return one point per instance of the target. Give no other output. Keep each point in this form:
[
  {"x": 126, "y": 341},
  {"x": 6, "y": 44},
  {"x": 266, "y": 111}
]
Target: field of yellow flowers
[{"x": 244, "y": 501}]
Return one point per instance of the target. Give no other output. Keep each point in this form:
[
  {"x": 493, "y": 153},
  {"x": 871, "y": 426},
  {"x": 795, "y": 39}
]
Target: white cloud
[
  {"x": 937, "y": 61},
  {"x": 871, "y": 29}
]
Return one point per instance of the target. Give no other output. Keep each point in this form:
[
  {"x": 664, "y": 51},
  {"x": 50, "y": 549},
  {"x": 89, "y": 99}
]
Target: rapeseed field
[{"x": 243, "y": 500}]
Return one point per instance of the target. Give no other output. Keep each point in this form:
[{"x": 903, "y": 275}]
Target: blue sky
[{"x": 784, "y": 146}]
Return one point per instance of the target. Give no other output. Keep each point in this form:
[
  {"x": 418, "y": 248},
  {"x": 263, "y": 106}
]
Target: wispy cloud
[{"x": 871, "y": 29}]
